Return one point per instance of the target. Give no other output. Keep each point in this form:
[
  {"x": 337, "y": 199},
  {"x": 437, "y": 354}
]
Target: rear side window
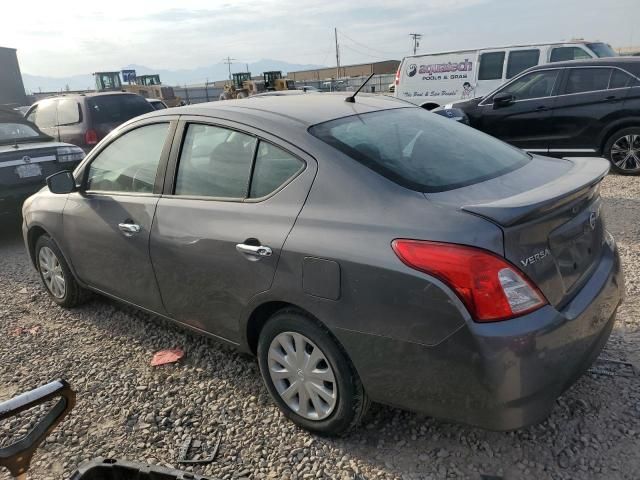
[
  {"x": 68, "y": 112},
  {"x": 117, "y": 108},
  {"x": 532, "y": 85},
  {"x": 215, "y": 162},
  {"x": 491, "y": 66},
  {"x": 561, "y": 54},
  {"x": 580, "y": 80},
  {"x": 520, "y": 60},
  {"x": 620, "y": 79},
  {"x": 273, "y": 167},
  {"x": 129, "y": 163},
  {"x": 45, "y": 114},
  {"x": 420, "y": 150}
]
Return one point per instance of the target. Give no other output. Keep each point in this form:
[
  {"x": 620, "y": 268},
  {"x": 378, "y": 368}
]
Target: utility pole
[
  {"x": 228, "y": 61},
  {"x": 335, "y": 30},
  {"x": 416, "y": 41}
]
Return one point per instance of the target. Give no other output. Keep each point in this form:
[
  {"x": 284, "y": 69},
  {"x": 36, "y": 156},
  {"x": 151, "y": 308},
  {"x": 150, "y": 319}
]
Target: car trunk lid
[{"x": 550, "y": 215}]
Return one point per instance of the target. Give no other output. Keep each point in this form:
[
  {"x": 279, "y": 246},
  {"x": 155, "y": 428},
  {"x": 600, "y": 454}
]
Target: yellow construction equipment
[
  {"x": 147, "y": 86},
  {"x": 274, "y": 80},
  {"x": 241, "y": 86}
]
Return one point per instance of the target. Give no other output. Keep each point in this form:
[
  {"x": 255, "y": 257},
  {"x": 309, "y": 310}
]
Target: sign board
[{"x": 128, "y": 76}]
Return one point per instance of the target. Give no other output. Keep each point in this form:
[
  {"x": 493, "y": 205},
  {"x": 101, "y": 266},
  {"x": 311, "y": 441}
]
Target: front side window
[
  {"x": 129, "y": 164},
  {"x": 580, "y": 80},
  {"x": 532, "y": 85},
  {"x": 273, "y": 168},
  {"x": 68, "y": 112},
  {"x": 420, "y": 150},
  {"x": 520, "y": 60},
  {"x": 491, "y": 66},
  {"x": 562, "y": 54},
  {"x": 602, "y": 49},
  {"x": 215, "y": 162}
]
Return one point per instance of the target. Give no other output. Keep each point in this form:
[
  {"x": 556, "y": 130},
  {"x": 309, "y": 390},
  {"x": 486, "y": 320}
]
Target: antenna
[{"x": 352, "y": 98}]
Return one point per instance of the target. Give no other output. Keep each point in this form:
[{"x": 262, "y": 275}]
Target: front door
[
  {"x": 108, "y": 223},
  {"x": 524, "y": 122},
  {"x": 219, "y": 230}
]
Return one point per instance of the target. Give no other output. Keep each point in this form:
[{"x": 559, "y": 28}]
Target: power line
[
  {"x": 366, "y": 46},
  {"x": 364, "y": 53}
]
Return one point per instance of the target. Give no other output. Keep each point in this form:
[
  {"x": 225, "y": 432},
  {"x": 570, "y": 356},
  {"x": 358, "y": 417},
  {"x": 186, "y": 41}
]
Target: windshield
[
  {"x": 117, "y": 108},
  {"x": 602, "y": 49},
  {"x": 10, "y": 132},
  {"x": 421, "y": 150}
]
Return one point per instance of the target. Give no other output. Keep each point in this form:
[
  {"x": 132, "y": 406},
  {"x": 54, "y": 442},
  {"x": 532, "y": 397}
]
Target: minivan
[{"x": 86, "y": 118}]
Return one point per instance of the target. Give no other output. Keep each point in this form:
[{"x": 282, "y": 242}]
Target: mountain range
[{"x": 36, "y": 83}]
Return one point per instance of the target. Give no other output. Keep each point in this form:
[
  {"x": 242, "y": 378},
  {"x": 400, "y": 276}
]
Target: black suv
[
  {"x": 577, "y": 108},
  {"x": 85, "y": 119}
]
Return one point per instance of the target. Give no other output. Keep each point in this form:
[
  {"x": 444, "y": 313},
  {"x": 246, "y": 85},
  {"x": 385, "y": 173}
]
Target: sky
[{"x": 67, "y": 37}]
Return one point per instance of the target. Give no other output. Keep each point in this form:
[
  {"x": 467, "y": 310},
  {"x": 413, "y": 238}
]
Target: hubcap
[
  {"x": 52, "y": 273},
  {"x": 302, "y": 376},
  {"x": 625, "y": 152}
]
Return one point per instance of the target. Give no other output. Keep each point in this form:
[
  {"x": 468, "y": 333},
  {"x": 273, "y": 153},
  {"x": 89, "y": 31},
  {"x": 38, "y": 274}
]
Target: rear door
[
  {"x": 525, "y": 122},
  {"x": 69, "y": 121},
  {"x": 583, "y": 109},
  {"x": 231, "y": 198}
]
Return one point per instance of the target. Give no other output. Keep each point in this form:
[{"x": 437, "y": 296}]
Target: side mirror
[
  {"x": 61, "y": 182},
  {"x": 503, "y": 100}
]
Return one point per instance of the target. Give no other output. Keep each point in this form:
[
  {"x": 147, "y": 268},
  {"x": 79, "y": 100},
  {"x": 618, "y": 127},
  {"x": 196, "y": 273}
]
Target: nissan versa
[{"x": 364, "y": 250}]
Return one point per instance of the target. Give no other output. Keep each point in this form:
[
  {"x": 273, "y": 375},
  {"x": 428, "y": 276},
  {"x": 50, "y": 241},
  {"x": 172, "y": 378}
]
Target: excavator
[{"x": 147, "y": 86}]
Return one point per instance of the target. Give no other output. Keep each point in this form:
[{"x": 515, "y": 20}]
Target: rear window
[
  {"x": 520, "y": 60},
  {"x": 117, "y": 108},
  {"x": 16, "y": 131},
  {"x": 491, "y": 66},
  {"x": 421, "y": 150}
]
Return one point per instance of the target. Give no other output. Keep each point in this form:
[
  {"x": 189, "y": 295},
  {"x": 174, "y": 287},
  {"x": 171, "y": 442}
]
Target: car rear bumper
[
  {"x": 12, "y": 198},
  {"x": 499, "y": 376}
]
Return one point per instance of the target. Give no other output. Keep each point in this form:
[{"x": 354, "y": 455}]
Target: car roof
[
  {"x": 629, "y": 63},
  {"x": 86, "y": 95},
  {"x": 303, "y": 110}
]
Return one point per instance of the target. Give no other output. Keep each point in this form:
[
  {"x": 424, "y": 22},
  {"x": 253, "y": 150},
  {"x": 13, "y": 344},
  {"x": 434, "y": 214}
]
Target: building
[
  {"x": 11, "y": 86},
  {"x": 346, "y": 71},
  {"x": 634, "y": 50}
]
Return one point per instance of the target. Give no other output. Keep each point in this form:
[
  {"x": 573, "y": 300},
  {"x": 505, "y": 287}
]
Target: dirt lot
[{"x": 128, "y": 409}]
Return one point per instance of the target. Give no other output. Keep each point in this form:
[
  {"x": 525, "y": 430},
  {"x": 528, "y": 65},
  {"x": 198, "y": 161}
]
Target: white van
[{"x": 435, "y": 79}]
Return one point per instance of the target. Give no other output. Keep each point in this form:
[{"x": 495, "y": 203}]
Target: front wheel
[
  {"x": 56, "y": 275},
  {"x": 309, "y": 377},
  {"x": 623, "y": 151}
]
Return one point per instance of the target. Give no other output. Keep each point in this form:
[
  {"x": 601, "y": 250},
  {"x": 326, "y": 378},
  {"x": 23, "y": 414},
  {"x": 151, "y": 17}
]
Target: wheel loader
[
  {"x": 241, "y": 86},
  {"x": 147, "y": 86}
]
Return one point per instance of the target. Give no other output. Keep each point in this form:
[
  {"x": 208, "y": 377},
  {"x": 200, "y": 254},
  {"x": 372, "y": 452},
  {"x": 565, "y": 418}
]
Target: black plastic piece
[
  {"x": 17, "y": 456},
  {"x": 111, "y": 469},
  {"x": 352, "y": 98}
]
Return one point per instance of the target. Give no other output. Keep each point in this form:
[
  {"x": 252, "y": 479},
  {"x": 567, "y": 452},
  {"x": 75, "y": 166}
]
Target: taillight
[
  {"x": 398, "y": 76},
  {"x": 491, "y": 288},
  {"x": 90, "y": 137}
]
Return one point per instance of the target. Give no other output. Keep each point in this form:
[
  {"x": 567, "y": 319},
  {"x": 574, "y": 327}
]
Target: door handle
[
  {"x": 541, "y": 108},
  {"x": 611, "y": 97},
  {"x": 129, "y": 229},
  {"x": 254, "y": 250}
]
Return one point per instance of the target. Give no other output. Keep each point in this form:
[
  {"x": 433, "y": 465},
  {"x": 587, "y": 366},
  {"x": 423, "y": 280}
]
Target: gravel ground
[{"x": 128, "y": 409}]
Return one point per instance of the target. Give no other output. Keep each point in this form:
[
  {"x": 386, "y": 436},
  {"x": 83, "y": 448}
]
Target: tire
[
  {"x": 334, "y": 417},
  {"x": 623, "y": 151},
  {"x": 49, "y": 258}
]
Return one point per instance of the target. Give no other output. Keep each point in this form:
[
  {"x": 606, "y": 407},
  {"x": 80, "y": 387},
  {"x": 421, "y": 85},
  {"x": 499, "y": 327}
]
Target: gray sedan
[{"x": 363, "y": 251}]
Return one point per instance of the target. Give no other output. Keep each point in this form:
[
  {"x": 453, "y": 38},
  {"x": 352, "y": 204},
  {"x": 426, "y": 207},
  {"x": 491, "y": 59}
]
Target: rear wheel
[
  {"x": 308, "y": 376},
  {"x": 56, "y": 275},
  {"x": 623, "y": 151}
]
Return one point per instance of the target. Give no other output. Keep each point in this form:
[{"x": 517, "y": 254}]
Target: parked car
[
  {"x": 85, "y": 119},
  {"x": 580, "y": 108},
  {"x": 427, "y": 266},
  {"x": 157, "y": 104},
  {"x": 27, "y": 157},
  {"x": 435, "y": 79}
]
